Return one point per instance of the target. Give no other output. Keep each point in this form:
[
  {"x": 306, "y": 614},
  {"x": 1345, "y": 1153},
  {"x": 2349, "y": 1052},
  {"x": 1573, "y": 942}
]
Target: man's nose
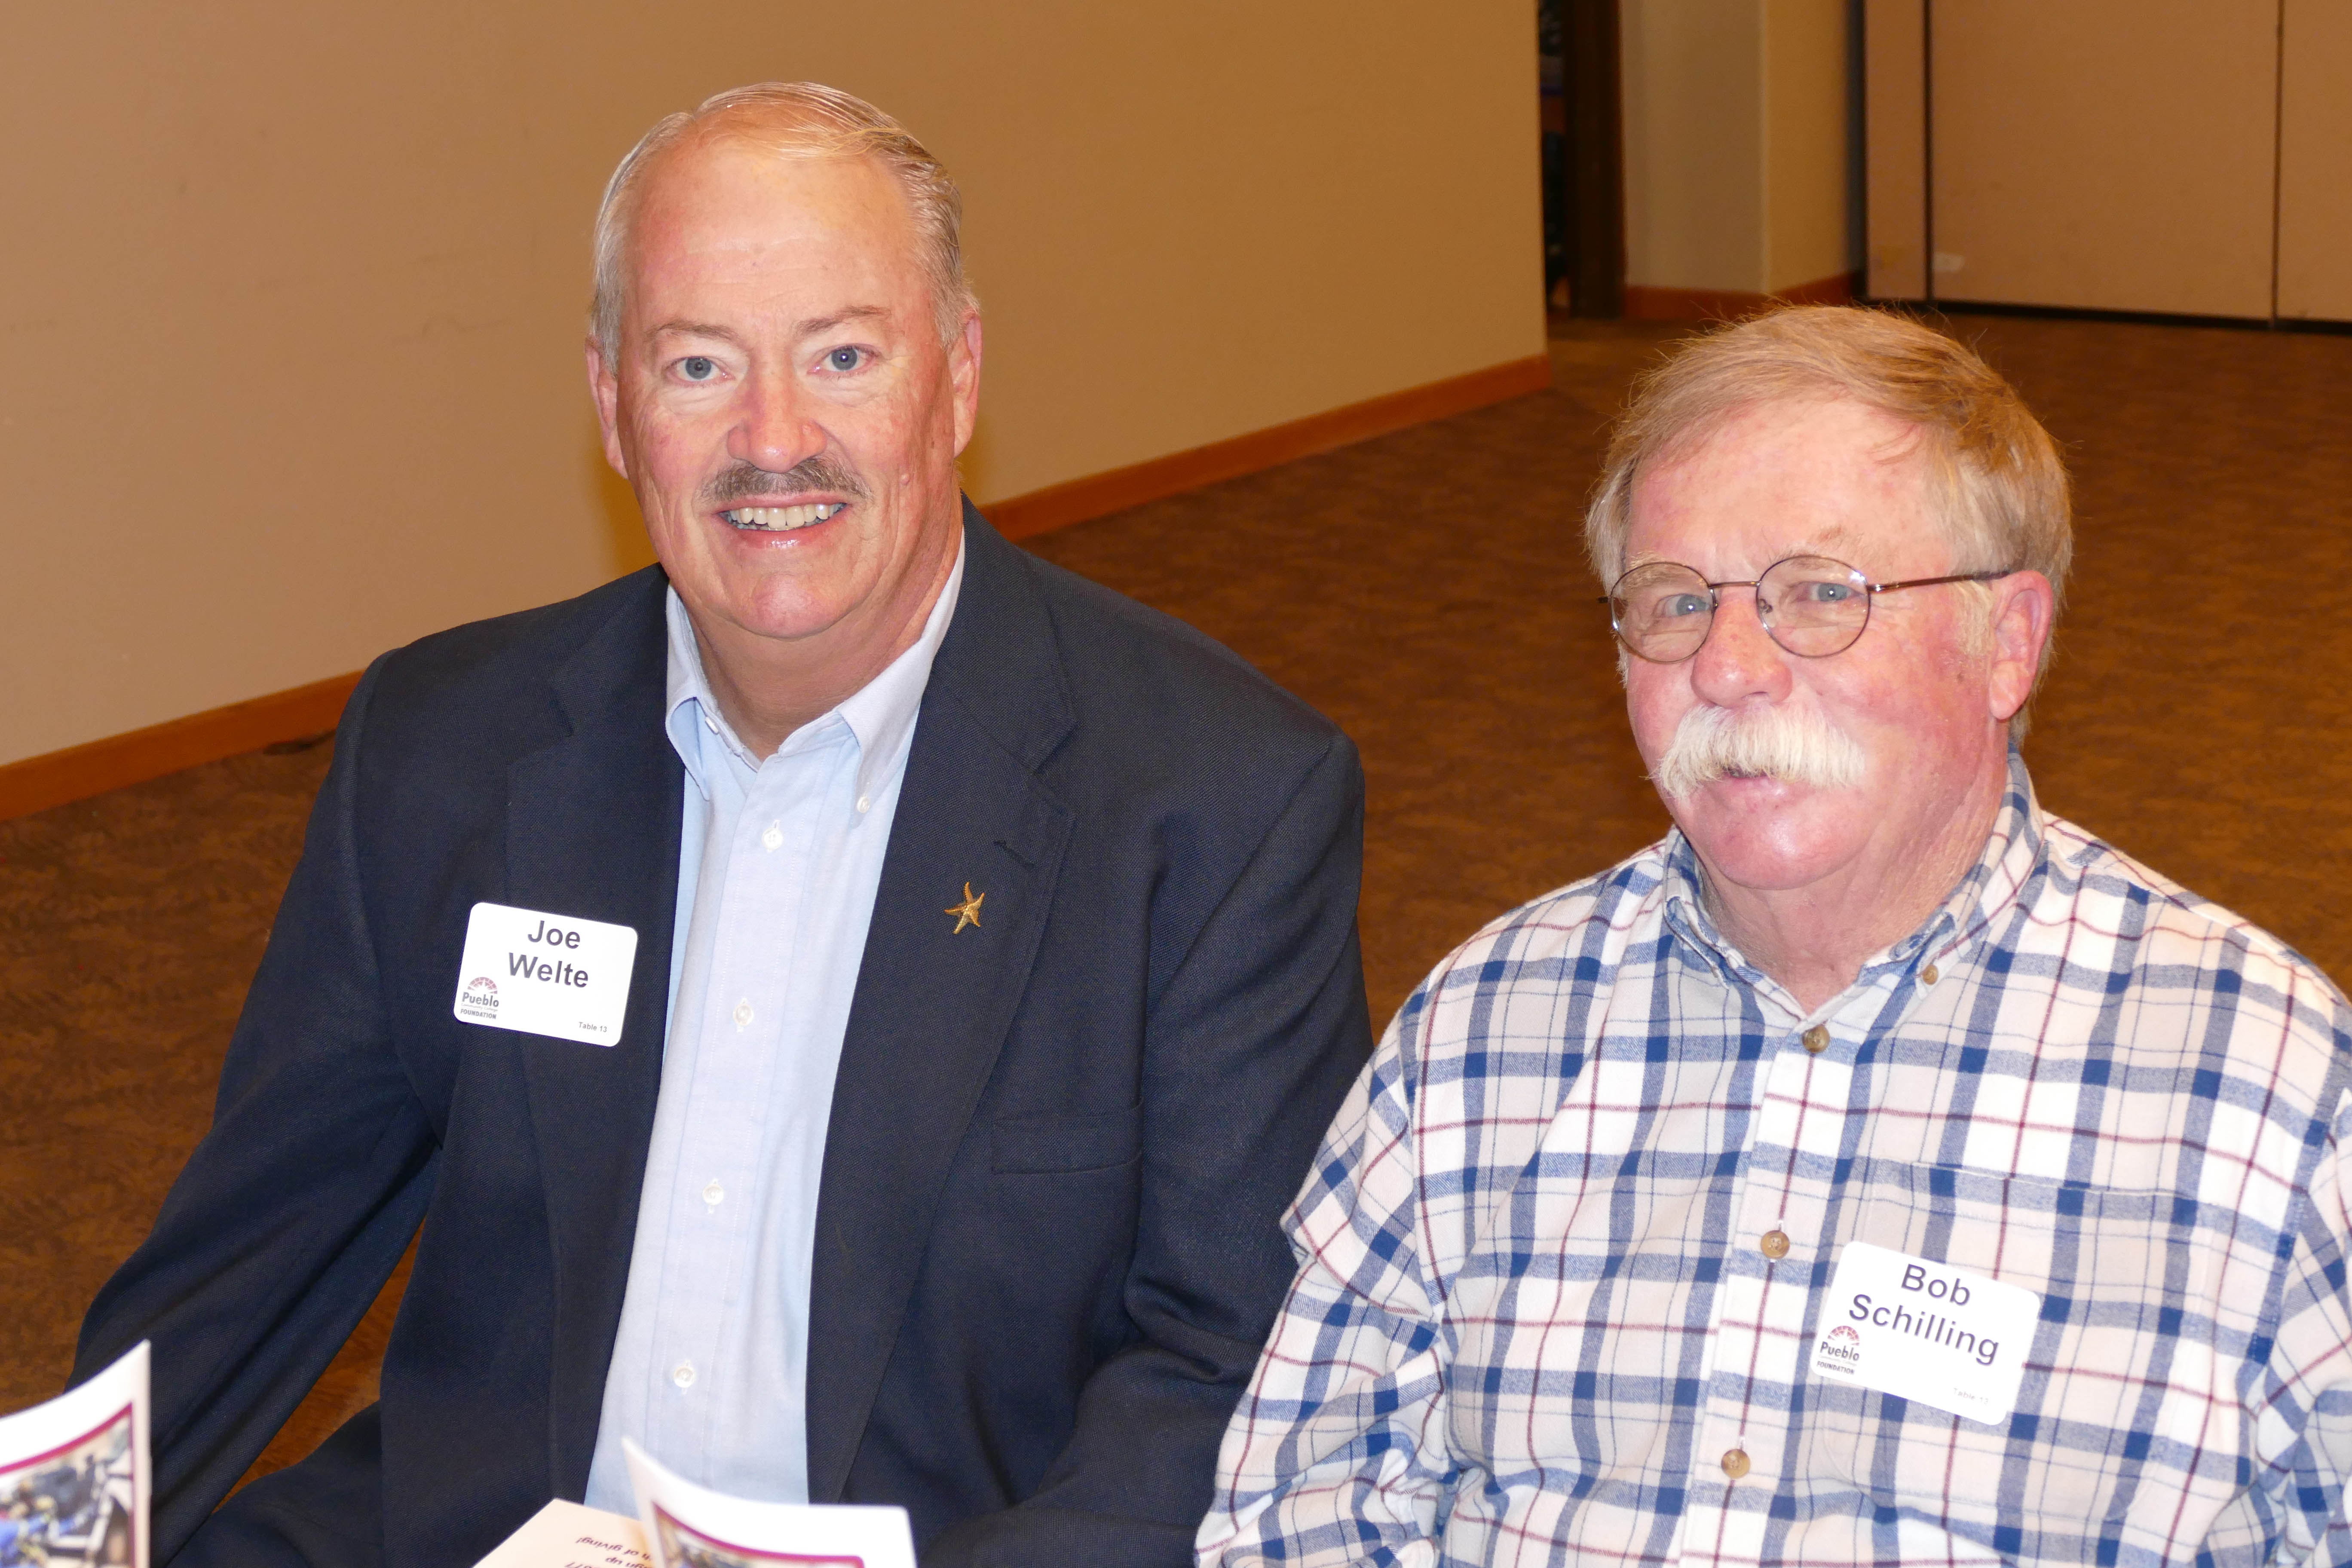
[
  {"x": 1739, "y": 660},
  {"x": 774, "y": 427}
]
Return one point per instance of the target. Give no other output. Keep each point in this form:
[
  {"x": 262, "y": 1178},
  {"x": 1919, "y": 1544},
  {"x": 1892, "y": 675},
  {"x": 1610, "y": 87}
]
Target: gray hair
[{"x": 791, "y": 120}]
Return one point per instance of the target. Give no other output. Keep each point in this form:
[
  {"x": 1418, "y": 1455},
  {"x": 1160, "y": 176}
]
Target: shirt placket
[
  {"x": 715, "y": 1205},
  {"x": 1758, "y": 1330}
]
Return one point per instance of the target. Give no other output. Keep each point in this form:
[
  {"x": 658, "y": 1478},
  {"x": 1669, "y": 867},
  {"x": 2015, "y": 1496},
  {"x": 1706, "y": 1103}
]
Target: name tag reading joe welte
[
  {"x": 545, "y": 975},
  {"x": 1926, "y": 1331}
]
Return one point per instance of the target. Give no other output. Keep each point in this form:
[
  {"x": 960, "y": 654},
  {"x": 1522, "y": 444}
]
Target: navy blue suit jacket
[{"x": 1046, "y": 1242}]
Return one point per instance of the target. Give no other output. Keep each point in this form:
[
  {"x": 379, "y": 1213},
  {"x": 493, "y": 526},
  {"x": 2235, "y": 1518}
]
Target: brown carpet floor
[{"x": 1425, "y": 590}]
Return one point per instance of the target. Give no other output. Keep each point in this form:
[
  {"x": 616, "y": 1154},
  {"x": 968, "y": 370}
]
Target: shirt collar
[
  {"x": 2014, "y": 852},
  {"x": 880, "y": 714}
]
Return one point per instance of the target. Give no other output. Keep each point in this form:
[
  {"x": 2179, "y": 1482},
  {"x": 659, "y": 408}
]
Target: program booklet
[
  {"x": 74, "y": 1476},
  {"x": 571, "y": 1535},
  {"x": 681, "y": 1525},
  {"x": 689, "y": 1526}
]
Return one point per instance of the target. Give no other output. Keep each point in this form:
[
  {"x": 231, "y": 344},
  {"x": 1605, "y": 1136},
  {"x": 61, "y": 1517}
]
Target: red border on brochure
[{"x": 756, "y": 1553}]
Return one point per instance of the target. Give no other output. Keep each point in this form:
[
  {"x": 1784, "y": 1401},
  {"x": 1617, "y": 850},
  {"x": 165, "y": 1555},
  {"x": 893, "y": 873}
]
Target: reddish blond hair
[{"x": 1999, "y": 484}]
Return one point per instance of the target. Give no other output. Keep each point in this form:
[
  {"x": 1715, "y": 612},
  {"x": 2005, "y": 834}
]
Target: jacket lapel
[
  {"x": 592, "y": 830},
  {"x": 935, "y": 993}
]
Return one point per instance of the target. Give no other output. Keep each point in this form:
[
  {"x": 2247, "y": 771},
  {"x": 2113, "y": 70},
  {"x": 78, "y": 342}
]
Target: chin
[{"x": 1769, "y": 833}]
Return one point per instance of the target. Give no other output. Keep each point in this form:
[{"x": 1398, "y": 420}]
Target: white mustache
[{"x": 1794, "y": 744}]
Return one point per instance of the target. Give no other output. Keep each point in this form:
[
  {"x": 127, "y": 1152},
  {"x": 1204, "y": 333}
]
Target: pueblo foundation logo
[
  {"x": 1841, "y": 1344},
  {"x": 481, "y": 993}
]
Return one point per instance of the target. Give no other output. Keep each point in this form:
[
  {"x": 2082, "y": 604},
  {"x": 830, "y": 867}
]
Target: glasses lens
[
  {"x": 1813, "y": 606},
  {"x": 1662, "y": 611}
]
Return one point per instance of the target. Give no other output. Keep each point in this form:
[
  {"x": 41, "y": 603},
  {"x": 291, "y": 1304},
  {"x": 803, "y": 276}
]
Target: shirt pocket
[
  {"x": 1058, "y": 1145},
  {"x": 2128, "y": 1404}
]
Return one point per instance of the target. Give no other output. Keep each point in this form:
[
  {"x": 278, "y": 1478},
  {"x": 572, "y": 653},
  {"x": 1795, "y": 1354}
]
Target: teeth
[{"x": 781, "y": 519}]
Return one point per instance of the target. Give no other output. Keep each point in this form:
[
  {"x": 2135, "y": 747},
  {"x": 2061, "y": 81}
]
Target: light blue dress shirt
[{"x": 777, "y": 864}]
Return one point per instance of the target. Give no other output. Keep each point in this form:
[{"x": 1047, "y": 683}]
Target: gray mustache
[
  {"x": 821, "y": 472},
  {"x": 1796, "y": 744}
]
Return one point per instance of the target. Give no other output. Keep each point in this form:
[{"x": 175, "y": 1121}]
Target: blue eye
[
  {"x": 845, "y": 359},
  {"x": 1682, "y": 604},
  {"x": 698, "y": 367}
]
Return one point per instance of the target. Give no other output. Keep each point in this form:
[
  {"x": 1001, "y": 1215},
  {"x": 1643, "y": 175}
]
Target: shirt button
[
  {"x": 865, "y": 805},
  {"x": 1735, "y": 1461},
  {"x": 774, "y": 837},
  {"x": 743, "y": 1014},
  {"x": 1929, "y": 976},
  {"x": 1775, "y": 1245},
  {"x": 714, "y": 1194},
  {"x": 1817, "y": 1040},
  {"x": 682, "y": 1375}
]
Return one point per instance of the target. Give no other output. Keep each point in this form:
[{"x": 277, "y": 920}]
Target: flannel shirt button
[
  {"x": 1929, "y": 976},
  {"x": 1817, "y": 1040},
  {"x": 1735, "y": 1462},
  {"x": 1775, "y": 1245}
]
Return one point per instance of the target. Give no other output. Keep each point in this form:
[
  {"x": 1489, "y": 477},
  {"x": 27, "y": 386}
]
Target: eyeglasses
[{"x": 1810, "y": 604}]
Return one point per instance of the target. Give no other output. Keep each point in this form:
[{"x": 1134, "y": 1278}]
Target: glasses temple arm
[{"x": 1954, "y": 577}]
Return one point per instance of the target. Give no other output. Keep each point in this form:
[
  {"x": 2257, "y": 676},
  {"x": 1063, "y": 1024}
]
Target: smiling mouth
[{"x": 780, "y": 518}]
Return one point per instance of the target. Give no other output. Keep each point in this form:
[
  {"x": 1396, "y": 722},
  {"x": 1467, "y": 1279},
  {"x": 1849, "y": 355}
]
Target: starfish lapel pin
[{"x": 967, "y": 913}]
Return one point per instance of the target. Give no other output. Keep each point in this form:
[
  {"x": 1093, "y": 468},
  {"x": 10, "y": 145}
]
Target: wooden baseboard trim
[
  {"x": 78, "y": 772},
  {"x": 1647, "y": 302},
  {"x": 1098, "y": 495}
]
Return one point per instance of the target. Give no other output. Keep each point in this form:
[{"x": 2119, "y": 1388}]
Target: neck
[
  {"x": 768, "y": 687},
  {"x": 1814, "y": 940}
]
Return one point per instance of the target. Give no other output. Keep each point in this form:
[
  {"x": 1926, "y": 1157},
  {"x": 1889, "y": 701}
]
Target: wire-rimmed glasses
[{"x": 1812, "y": 606}]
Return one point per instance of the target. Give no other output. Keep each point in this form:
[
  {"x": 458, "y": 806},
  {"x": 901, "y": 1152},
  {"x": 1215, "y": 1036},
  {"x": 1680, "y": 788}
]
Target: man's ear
[
  {"x": 2024, "y": 608},
  {"x": 604, "y": 389},
  {"x": 963, "y": 372}
]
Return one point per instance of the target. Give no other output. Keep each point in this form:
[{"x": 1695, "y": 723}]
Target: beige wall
[
  {"x": 1736, "y": 144},
  {"x": 2117, "y": 155},
  {"x": 2183, "y": 156},
  {"x": 1807, "y": 135},
  {"x": 1692, "y": 90},
  {"x": 1895, "y": 133},
  {"x": 2314, "y": 239},
  {"x": 290, "y": 299}
]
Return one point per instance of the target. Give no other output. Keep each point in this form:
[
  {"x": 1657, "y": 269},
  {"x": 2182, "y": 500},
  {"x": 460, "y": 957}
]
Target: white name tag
[
  {"x": 545, "y": 975},
  {"x": 1926, "y": 1331}
]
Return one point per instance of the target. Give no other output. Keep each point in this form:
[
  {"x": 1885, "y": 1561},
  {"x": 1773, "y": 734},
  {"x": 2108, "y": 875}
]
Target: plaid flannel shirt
[{"x": 1534, "y": 1317}]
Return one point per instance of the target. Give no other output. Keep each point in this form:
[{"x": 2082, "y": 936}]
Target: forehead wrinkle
[{"x": 696, "y": 330}]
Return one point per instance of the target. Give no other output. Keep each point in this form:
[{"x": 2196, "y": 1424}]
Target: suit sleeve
[
  {"x": 298, "y": 1203},
  {"x": 1249, "y": 1050}
]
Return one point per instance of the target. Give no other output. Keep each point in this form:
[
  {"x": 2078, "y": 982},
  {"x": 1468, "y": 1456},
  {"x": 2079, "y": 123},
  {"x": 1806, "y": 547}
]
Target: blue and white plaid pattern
[{"x": 1533, "y": 1315}]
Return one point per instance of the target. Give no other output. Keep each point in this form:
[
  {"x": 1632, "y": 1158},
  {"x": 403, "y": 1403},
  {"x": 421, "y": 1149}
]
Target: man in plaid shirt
[{"x": 1878, "y": 1170}]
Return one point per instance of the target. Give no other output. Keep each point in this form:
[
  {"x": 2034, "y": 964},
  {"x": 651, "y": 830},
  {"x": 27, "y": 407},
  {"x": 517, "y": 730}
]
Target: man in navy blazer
[{"x": 1108, "y": 997}]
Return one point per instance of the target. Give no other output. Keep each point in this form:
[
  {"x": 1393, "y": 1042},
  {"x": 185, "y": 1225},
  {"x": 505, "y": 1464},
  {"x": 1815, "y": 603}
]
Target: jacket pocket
[{"x": 1050, "y": 1145}]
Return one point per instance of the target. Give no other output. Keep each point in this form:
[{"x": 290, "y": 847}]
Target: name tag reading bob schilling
[{"x": 1926, "y": 1331}]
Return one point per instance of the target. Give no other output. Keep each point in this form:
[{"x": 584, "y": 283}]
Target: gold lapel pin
[{"x": 967, "y": 913}]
